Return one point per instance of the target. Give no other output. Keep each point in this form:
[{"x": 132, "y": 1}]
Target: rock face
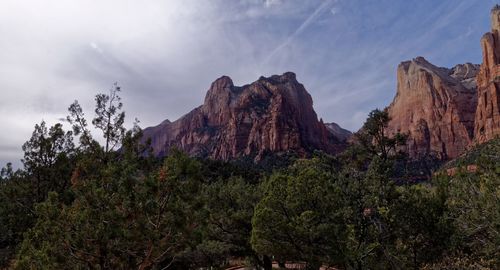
[
  {"x": 339, "y": 132},
  {"x": 273, "y": 114},
  {"x": 435, "y": 106},
  {"x": 487, "y": 121},
  {"x": 466, "y": 74},
  {"x": 445, "y": 111}
]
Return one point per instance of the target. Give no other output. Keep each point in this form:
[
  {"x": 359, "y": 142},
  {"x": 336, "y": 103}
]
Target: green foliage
[
  {"x": 77, "y": 119},
  {"x": 421, "y": 230},
  {"x": 110, "y": 117},
  {"x": 48, "y": 163},
  {"x": 474, "y": 207},
  {"x": 44, "y": 240},
  {"x": 488, "y": 151},
  {"x": 48, "y": 159},
  {"x": 227, "y": 215},
  {"x": 298, "y": 217},
  {"x": 16, "y": 210},
  {"x": 121, "y": 221},
  {"x": 88, "y": 206},
  {"x": 373, "y": 135}
]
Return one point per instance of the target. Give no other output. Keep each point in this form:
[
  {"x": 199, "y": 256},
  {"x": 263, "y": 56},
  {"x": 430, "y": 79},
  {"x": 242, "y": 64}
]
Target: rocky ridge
[
  {"x": 338, "y": 131},
  {"x": 446, "y": 111},
  {"x": 435, "y": 106},
  {"x": 270, "y": 115}
]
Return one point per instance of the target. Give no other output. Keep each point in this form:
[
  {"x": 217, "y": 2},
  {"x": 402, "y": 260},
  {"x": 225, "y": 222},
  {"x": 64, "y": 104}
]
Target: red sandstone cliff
[
  {"x": 446, "y": 111},
  {"x": 487, "y": 121},
  {"x": 273, "y": 114},
  {"x": 435, "y": 106}
]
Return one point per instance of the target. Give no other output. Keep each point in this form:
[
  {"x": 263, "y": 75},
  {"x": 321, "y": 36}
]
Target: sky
[{"x": 165, "y": 54}]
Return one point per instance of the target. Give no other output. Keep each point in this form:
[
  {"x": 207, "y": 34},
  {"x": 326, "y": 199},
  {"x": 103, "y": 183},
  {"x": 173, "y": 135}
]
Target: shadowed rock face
[
  {"x": 435, "y": 106},
  {"x": 339, "y": 132},
  {"x": 487, "y": 121},
  {"x": 273, "y": 114}
]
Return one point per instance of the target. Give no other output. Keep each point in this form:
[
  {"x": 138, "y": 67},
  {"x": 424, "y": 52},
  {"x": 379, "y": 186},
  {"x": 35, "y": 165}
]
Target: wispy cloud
[
  {"x": 317, "y": 12},
  {"x": 94, "y": 46},
  {"x": 269, "y": 3}
]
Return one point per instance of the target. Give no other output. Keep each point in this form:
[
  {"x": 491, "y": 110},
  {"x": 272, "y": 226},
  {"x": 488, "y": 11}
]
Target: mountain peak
[
  {"x": 287, "y": 76},
  {"x": 222, "y": 83},
  {"x": 495, "y": 18},
  {"x": 420, "y": 59},
  {"x": 417, "y": 63},
  {"x": 270, "y": 115},
  {"x": 435, "y": 106},
  {"x": 283, "y": 78}
]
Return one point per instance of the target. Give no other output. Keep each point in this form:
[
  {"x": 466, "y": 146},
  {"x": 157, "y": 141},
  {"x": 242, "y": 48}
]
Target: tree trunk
[{"x": 268, "y": 264}]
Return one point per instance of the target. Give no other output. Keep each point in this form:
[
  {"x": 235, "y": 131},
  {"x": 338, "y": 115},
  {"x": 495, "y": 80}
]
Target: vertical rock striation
[
  {"x": 444, "y": 111},
  {"x": 435, "y": 106},
  {"x": 487, "y": 120}
]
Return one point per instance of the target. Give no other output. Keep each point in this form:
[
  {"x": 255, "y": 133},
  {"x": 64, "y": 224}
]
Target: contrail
[{"x": 300, "y": 29}]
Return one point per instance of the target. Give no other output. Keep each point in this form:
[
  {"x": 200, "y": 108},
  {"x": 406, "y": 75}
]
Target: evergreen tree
[
  {"x": 300, "y": 216},
  {"x": 48, "y": 159},
  {"x": 229, "y": 207}
]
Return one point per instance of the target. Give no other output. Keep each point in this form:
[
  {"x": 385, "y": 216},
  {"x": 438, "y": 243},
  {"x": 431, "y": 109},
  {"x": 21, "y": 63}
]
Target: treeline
[{"x": 81, "y": 204}]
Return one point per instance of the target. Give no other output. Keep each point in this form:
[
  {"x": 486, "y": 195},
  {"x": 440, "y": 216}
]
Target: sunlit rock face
[
  {"x": 270, "y": 115},
  {"x": 445, "y": 111},
  {"x": 487, "y": 120},
  {"x": 435, "y": 107}
]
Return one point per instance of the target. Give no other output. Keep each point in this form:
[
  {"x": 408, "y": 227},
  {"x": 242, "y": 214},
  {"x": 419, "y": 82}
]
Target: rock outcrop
[
  {"x": 271, "y": 115},
  {"x": 444, "y": 111},
  {"x": 487, "y": 121},
  {"x": 338, "y": 131},
  {"x": 435, "y": 106}
]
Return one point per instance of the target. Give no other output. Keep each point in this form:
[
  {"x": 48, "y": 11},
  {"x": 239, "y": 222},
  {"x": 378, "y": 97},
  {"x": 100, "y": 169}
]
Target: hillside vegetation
[{"x": 81, "y": 204}]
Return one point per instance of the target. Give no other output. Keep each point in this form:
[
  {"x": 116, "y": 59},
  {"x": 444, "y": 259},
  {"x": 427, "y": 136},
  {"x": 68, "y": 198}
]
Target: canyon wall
[{"x": 435, "y": 107}]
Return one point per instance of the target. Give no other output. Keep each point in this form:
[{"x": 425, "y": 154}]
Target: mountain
[
  {"x": 446, "y": 111},
  {"x": 435, "y": 106},
  {"x": 338, "y": 131},
  {"x": 270, "y": 115},
  {"x": 487, "y": 121}
]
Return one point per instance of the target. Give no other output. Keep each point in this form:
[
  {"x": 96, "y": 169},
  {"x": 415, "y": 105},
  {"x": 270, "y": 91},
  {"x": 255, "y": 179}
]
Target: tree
[
  {"x": 44, "y": 241},
  {"x": 122, "y": 220},
  {"x": 369, "y": 193},
  {"x": 170, "y": 210},
  {"x": 6, "y": 173},
  {"x": 48, "y": 159},
  {"x": 16, "y": 211},
  {"x": 77, "y": 119},
  {"x": 300, "y": 216},
  {"x": 373, "y": 135},
  {"x": 229, "y": 207},
  {"x": 474, "y": 208},
  {"x": 421, "y": 231},
  {"x": 110, "y": 117},
  {"x": 48, "y": 163}
]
